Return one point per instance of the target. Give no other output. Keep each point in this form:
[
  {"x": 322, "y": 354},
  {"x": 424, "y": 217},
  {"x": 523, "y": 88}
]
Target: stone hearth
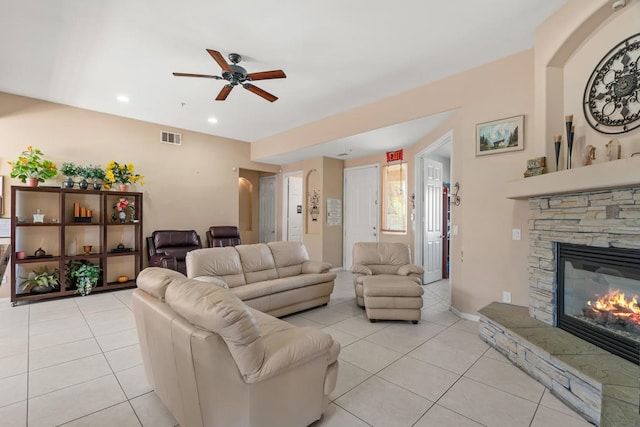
[{"x": 600, "y": 386}]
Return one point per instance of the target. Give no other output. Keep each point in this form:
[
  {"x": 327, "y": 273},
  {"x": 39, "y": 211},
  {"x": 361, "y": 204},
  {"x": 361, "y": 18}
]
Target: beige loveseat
[
  {"x": 276, "y": 278},
  {"x": 214, "y": 361}
]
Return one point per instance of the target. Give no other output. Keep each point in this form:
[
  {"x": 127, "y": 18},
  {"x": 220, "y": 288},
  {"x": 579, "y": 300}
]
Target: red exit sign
[{"x": 393, "y": 156}]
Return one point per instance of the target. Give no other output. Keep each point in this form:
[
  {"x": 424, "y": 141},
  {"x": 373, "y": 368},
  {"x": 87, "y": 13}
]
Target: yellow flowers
[{"x": 122, "y": 174}]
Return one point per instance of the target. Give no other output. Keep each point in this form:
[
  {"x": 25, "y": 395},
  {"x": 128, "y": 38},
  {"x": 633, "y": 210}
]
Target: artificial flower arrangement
[
  {"x": 121, "y": 174},
  {"x": 31, "y": 165},
  {"x": 121, "y": 208}
]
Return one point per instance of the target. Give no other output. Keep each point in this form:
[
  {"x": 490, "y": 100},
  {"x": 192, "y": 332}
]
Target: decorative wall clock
[{"x": 611, "y": 100}]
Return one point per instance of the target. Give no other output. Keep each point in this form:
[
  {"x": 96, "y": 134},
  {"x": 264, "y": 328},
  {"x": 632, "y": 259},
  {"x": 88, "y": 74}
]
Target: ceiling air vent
[{"x": 171, "y": 138}]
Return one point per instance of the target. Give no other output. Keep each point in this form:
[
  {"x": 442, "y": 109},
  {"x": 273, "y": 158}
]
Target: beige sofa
[
  {"x": 214, "y": 361},
  {"x": 276, "y": 278}
]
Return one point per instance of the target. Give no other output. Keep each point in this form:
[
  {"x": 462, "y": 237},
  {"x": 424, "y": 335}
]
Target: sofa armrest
[
  {"x": 361, "y": 269},
  {"x": 214, "y": 280},
  {"x": 311, "y": 267},
  {"x": 408, "y": 269},
  {"x": 164, "y": 261},
  {"x": 290, "y": 348}
]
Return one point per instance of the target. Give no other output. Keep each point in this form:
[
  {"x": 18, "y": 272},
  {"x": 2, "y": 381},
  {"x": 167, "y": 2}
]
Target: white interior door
[
  {"x": 267, "y": 209},
  {"x": 294, "y": 209},
  {"x": 432, "y": 221},
  {"x": 361, "y": 208}
]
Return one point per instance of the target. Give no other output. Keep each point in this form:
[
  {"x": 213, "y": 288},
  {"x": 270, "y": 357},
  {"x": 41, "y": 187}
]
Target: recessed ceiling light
[
  {"x": 212, "y": 120},
  {"x": 123, "y": 98}
]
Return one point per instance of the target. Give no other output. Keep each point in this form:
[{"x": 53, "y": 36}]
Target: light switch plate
[{"x": 516, "y": 234}]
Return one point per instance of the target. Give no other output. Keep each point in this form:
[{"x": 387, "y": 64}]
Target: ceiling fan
[{"x": 237, "y": 75}]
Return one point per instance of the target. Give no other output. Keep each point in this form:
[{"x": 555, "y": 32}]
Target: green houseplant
[
  {"x": 31, "y": 168},
  {"x": 69, "y": 170},
  {"x": 98, "y": 175},
  {"x": 87, "y": 276},
  {"x": 41, "y": 281}
]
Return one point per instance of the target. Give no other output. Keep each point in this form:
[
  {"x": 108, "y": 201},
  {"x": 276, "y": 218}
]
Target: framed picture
[{"x": 500, "y": 136}]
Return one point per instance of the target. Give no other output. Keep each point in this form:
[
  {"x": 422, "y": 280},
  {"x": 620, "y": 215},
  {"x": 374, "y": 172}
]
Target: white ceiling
[{"x": 337, "y": 55}]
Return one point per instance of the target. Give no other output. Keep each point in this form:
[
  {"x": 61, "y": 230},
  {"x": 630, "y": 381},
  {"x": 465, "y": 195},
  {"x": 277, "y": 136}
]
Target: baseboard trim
[{"x": 466, "y": 316}]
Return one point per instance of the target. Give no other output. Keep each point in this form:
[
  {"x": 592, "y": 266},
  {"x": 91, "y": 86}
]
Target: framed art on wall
[{"x": 500, "y": 136}]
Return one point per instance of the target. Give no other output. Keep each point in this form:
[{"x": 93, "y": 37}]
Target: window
[{"x": 394, "y": 193}]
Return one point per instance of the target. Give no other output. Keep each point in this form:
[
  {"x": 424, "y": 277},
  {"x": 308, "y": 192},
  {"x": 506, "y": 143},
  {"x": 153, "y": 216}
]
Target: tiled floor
[{"x": 76, "y": 362}]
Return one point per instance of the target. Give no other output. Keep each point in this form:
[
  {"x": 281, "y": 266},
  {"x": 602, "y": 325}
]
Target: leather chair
[
  {"x": 386, "y": 283},
  {"x": 168, "y": 248},
  {"x": 224, "y": 235}
]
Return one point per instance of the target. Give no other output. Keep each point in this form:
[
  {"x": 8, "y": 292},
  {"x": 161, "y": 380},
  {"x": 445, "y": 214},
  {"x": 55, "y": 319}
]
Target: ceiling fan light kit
[{"x": 236, "y": 75}]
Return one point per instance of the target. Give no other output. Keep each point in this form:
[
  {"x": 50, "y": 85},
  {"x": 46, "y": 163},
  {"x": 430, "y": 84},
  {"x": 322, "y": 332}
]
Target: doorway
[
  {"x": 292, "y": 207},
  {"x": 433, "y": 166},
  {"x": 267, "y": 209},
  {"x": 361, "y": 208}
]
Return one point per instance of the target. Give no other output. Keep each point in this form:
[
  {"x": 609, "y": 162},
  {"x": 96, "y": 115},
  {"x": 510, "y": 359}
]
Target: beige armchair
[
  {"x": 387, "y": 285},
  {"x": 390, "y": 260},
  {"x": 214, "y": 361}
]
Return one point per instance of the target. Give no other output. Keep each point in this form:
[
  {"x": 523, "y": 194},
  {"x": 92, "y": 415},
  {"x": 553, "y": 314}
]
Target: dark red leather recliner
[
  {"x": 223, "y": 236},
  {"x": 168, "y": 248}
]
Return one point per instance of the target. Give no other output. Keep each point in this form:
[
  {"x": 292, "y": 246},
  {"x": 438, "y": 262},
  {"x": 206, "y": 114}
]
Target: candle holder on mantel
[
  {"x": 558, "y": 143},
  {"x": 570, "y": 134}
]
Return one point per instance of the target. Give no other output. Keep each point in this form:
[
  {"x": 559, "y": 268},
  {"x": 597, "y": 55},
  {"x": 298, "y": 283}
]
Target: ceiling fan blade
[
  {"x": 206, "y": 76},
  {"x": 265, "y": 75},
  {"x": 220, "y": 60},
  {"x": 224, "y": 92},
  {"x": 263, "y": 93}
]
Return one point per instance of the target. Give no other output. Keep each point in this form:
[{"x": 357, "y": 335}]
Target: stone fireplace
[
  {"x": 594, "y": 209},
  {"x": 593, "y": 219}
]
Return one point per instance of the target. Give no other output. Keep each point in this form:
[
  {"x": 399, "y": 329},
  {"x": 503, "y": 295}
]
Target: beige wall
[
  {"x": 543, "y": 85},
  {"x": 192, "y": 186}
]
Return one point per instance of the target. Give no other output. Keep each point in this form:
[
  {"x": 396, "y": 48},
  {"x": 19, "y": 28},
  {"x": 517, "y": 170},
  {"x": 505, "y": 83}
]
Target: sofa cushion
[
  {"x": 154, "y": 280},
  {"x": 270, "y": 287},
  {"x": 222, "y": 263},
  {"x": 217, "y": 310},
  {"x": 288, "y": 257},
  {"x": 257, "y": 262},
  {"x": 382, "y": 258}
]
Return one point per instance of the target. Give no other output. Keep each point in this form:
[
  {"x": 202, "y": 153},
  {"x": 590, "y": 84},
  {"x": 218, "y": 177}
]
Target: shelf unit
[{"x": 115, "y": 246}]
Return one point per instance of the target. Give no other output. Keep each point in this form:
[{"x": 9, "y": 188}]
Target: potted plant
[
  {"x": 31, "y": 168},
  {"x": 122, "y": 174},
  {"x": 98, "y": 175},
  {"x": 85, "y": 173},
  {"x": 87, "y": 276},
  {"x": 41, "y": 281},
  {"x": 69, "y": 170}
]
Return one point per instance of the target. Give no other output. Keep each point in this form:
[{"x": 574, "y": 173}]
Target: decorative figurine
[
  {"x": 589, "y": 155},
  {"x": 613, "y": 150}
]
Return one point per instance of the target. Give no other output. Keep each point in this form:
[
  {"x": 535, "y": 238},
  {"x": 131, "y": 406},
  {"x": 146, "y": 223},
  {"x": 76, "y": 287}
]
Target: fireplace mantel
[{"x": 602, "y": 176}]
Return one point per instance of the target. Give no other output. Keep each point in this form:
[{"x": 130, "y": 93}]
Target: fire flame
[{"x": 616, "y": 304}]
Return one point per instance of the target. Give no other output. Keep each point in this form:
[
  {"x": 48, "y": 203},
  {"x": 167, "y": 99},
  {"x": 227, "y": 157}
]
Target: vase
[
  {"x": 124, "y": 187},
  {"x": 41, "y": 289},
  {"x": 122, "y": 216},
  {"x": 84, "y": 184},
  {"x": 97, "y": 184},
  {"x": 68, "y": 183},
  {"x": 32, "y": 182}
]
